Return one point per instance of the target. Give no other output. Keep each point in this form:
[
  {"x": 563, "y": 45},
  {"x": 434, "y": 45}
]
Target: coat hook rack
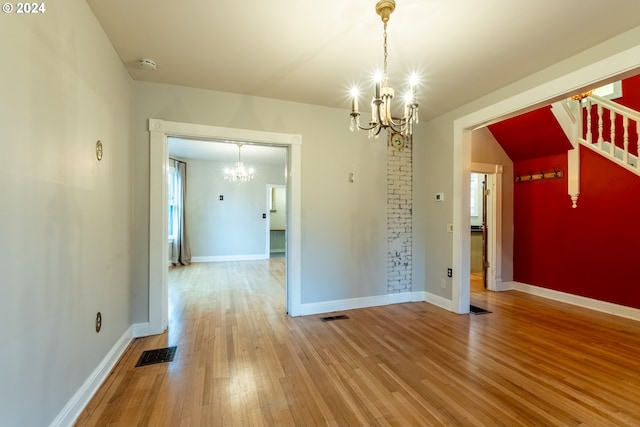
[{"x": 540, "y": 175}]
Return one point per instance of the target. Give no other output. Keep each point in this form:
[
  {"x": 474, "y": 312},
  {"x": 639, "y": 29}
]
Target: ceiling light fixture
[
  {"x": 383, "y": 94},
  {"x": 239, "y": 171}
]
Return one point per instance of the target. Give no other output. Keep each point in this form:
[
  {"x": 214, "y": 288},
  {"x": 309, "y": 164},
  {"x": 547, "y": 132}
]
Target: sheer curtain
[{"x": 181, "y": 253}]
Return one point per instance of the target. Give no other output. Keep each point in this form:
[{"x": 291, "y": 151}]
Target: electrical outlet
[
  {"x": 443, "y": 283},
  {"x": 449, "y": 228},
  {"x": 449, "y": 272}
]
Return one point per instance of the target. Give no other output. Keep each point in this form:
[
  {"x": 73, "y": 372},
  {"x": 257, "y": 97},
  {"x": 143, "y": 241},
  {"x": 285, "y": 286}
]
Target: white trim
[
  {"x": 607, "y": 68},
  {"x": 355, "y": 303},
  {"x": 437, "y": 301},
  {"x": 503, "y": 286},
  {"x": 72, "y": 410},
  {"x": 590, "y": 303},
  {"x": 420, "y": 296},
  {"x": 159, "y": 130},
  {"x": 267, "y": 223},
  {"x": 220, "y": 258},
  {"x": 140, "y": 330}
]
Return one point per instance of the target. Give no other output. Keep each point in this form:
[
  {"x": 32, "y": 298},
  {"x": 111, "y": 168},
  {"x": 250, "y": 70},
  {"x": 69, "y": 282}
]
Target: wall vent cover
[{"x": 160, "y": 355}]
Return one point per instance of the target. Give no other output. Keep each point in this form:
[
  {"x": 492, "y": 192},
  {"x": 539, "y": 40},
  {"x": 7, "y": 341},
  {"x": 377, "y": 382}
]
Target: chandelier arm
[
  {"x": 376, "y": 127},
  {"x": 398, "y": 127},
  {"x": 367, "y": 128}
]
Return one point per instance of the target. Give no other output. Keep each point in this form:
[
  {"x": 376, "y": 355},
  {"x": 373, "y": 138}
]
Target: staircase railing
[{"x": 613, "y": 130}]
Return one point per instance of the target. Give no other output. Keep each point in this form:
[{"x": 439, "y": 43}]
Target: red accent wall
[
  {"x": 591, "y": 251},
  {"x": 630, "y": 93},
  {"x": 533, "y": 134}
]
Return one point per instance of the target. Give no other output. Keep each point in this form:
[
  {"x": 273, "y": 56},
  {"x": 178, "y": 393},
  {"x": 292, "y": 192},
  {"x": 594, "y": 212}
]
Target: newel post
[{"x": 573, "y": 154}]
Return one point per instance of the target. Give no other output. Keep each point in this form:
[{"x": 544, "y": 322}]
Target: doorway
[
  {"x": 485, "y": 219},
  {"x": 159, "y": 130},
  {"x": 277, "y": 221},
  {"x": 478, "y": 242}
]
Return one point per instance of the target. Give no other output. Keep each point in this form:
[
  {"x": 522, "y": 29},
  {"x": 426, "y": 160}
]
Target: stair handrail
[
  {"x": 627, "y": 114},
  {"x": 617, "y": 108}
]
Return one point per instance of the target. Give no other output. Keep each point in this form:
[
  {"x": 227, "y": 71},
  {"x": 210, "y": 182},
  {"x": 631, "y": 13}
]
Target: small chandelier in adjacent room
[
  {"x": 239, "y": 171},
  {"x": 381, "y": 117}
]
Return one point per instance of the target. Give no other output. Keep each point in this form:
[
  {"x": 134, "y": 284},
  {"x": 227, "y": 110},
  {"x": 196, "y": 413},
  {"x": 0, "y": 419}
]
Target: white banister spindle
[
  {"x": 600, "y": 127},
  {"x": 589, "y": 134},
  {"x": 612, "y": 140},
  {"x": 625, "y": 139},
  {"x": 630, "y": 122}
]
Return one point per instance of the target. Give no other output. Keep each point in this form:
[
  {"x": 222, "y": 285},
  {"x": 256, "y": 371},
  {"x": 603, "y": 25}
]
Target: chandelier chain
[{"x": 384, "y": 45}]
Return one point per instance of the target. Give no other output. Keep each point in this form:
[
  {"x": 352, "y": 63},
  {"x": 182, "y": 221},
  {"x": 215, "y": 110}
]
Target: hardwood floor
[
  {"x": 477, "y": 282},
  {"x": 242, "y": 362}
]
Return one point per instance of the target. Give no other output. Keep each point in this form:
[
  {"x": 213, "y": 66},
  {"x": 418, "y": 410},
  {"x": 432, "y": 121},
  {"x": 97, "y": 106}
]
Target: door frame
[
  {"x": 159, "y": 130},
  {"x": 268, "y": 222},
  {"x": 608, "y": 69},
  {"x": 493, "y": 173}
]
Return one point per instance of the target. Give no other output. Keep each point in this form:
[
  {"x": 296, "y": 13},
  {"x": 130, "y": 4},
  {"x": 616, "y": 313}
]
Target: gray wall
[
  {"x": 65, "y": 219},
  {"x": 344, "y": 233},
  {"x": 233, "y": 226}
]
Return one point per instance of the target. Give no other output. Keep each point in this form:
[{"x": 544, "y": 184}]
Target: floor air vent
[
  {"x": 160, "y": 355},
  {"x": 330, "y": 318},
  {"x": 477, "y": 310}
]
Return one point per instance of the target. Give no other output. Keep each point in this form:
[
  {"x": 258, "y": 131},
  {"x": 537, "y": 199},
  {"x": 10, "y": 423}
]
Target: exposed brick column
[{"x": 399, "y": 217}]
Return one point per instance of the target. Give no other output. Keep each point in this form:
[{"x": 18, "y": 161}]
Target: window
[
  {"x": 172, "y": 216},
  {"x": 610, "y": 91}
]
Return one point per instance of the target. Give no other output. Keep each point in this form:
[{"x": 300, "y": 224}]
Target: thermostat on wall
[{"x": 439, "y": 197}]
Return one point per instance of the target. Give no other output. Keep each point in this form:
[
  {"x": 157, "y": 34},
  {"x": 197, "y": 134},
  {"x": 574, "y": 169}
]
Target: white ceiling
[{"x": 313, "y": 51}]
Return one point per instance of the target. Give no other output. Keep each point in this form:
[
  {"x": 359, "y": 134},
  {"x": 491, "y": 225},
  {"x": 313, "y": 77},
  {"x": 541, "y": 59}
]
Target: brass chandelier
[{"x": 381, "y": 117}]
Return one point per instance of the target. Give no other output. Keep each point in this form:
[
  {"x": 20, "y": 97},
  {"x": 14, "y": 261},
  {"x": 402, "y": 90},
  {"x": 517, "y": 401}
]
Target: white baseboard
[
  {"x": 81, "y": 398},
  {"x": 593, "y": 304},
  {"x": 503, "y": 286},
  {"x": 354, "y": 303},
  {"x": 250, "y": 257},
  {"x": 438, "y": 301},
  {"x": 140, "y": 330}
]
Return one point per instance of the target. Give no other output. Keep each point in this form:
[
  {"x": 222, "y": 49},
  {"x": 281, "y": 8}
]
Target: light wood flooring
[
  {"x": 477, "y": 282},
  {"x": 242, "y": 362}
]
